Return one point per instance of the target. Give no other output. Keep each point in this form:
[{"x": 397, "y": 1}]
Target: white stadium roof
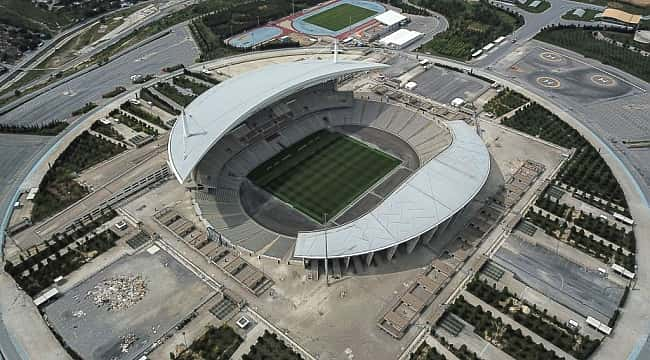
[
  {"x": 433, "y": 194},
  {"x": 390, "y": 18},
  {"x": 220, "y": 109},
  {"x": 438, "y": 190}
]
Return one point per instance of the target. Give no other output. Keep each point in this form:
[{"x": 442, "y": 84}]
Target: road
[
  {"x": 12, "y": 75},
  {"x": 533, "y": 23},
  {"x": 59, "y": 102}
]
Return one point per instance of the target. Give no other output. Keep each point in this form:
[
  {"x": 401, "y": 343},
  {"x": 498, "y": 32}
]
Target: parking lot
[
  {"x": 444, "y": 85},
  {"x": 569, "y": 77},
  {"x": 582, "y": 290},
  {"x": 94, "y": 332}
]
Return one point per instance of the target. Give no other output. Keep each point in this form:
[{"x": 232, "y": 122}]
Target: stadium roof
[
  {"x": 390, "y": 18},
  {"x": 220, "y": 109},
  {"x": 437, "y": 191}
]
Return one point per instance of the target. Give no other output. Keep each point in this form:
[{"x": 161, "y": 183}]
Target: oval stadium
[{"x": 285, "y": 163}]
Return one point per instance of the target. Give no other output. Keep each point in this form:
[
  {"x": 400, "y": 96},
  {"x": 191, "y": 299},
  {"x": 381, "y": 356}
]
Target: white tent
[
  {"x": 400, "y": 38},
  {"x": 390, "y": 18}
]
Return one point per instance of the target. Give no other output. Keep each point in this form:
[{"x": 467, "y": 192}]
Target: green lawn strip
[{"x": 340, "y": 16}]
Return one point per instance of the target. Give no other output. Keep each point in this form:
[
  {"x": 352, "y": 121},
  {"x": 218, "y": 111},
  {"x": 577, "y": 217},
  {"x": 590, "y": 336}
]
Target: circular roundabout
[
  {"x": 603, "y": 80},
  {"x": 550, "y": 57},
  {"x": 548, "y": 82}
]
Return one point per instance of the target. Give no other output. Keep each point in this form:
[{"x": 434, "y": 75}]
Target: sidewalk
[{"x": 250, "y": 340}]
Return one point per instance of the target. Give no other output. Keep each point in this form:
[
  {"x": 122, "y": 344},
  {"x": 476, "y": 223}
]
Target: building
[
  {"x": 400, "y": 39},
  {"x": 260, "y": 113},
  {"x": 620, "y": 17},
  {"x": 391, "y": 19}
]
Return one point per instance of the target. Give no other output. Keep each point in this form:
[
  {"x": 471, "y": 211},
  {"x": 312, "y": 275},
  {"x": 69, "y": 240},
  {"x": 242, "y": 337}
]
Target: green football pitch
[
  {"x": 322, "y": 173},
  {"x": 340, "y": 16}
]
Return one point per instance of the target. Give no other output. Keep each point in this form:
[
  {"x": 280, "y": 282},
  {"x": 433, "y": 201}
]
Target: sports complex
[
  {"x": 284, "y": 164},
  {"x": 334, "y": 18}
]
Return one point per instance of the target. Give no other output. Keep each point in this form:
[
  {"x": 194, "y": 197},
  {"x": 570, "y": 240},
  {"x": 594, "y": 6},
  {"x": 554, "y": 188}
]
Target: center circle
[
  {"x": 603, "y": 80},
  {"x": 550, "y": 56}
]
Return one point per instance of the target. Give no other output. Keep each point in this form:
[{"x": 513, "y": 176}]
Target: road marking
[{"x": 548, "y": 82}]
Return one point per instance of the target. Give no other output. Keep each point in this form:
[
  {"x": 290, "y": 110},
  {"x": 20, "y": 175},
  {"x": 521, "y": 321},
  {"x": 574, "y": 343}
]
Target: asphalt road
[
  {"x": 35, "y": 57},
  {"x": 533, "y": 24},
  {"x": 59, "y": 102}
]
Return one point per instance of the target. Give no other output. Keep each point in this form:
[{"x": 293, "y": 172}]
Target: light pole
[{"x": 327, "y": 277}]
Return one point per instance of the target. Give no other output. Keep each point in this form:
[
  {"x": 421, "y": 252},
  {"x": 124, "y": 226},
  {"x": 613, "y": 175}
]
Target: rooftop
[
  {"x": 621, "y": 16},
  {"x": 390, "y": 18},
  {"x": 217, "y": 111}
]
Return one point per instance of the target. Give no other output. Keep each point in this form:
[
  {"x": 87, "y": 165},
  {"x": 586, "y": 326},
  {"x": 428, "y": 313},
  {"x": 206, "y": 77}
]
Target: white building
[
  {"x": 400, "y": 39},
  {"x": 391, "y": 19}
]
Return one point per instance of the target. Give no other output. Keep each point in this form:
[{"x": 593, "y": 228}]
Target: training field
[
  {"x": 340, "y": 16},
  {"x": 322, "y": 173}
]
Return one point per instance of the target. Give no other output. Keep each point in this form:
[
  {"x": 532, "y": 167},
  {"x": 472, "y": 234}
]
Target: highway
[
  {"x": 60, "y": 101},
  {"x": 48, "y": 48}
]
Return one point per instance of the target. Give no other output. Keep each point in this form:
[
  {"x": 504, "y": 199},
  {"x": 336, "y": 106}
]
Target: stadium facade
[{"x": 236, "y": 126}]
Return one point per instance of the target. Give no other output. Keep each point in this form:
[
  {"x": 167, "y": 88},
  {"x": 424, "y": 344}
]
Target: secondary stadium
[{"x": 285, "y": 165}]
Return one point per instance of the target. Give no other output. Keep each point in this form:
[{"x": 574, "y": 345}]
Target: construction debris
[
  {"x": 119, "y": 293},
  {"x": 126, "y": 341}
]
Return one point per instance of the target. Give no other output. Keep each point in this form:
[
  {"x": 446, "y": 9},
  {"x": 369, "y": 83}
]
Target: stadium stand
[{"x": 220, "y": 174}]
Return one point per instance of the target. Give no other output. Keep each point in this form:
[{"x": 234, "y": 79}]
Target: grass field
[
  {"x": 340, "y": 16},
  {"x": 322, "y": 173}
]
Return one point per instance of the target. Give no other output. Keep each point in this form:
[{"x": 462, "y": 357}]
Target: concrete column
[
  {"x": 369, "y": 258},
  {"x": 391, "y": 252},
  {"x": 346, "y": 264},
  {"x": 410, "y": 245},
  {"x": 443, "y": 227},
  {"x": 426, "y": 238}
]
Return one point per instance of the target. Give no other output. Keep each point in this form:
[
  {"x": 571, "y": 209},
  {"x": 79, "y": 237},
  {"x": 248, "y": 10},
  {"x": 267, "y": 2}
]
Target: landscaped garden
[
  {"x": 268, "y": 346},
  {"x": 536, "y": 320},
  {"x": 133, "y": 123},
  {"x": 472, "y": 25},
  {"x": 58, "y": 189},
  {"x": 171, "y": 92},
  {"x": 586, "y": 170},
  {"x": 501, "y": 335},
  {"x": 218, "y": 343},
  {"x": 506, "y": 101},
  {"x": 36, "y": 268}
]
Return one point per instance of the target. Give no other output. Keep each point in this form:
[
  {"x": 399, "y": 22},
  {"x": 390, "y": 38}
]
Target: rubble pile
[
  {"x": 126, "y": 341},
  {"x": 118, "y": 293}
]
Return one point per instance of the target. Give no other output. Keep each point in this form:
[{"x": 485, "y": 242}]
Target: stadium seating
[{"x": 271, "y": 130}]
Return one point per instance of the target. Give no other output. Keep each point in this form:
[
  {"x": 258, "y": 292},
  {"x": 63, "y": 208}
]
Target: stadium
[{"x": 285, "y": 165}]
